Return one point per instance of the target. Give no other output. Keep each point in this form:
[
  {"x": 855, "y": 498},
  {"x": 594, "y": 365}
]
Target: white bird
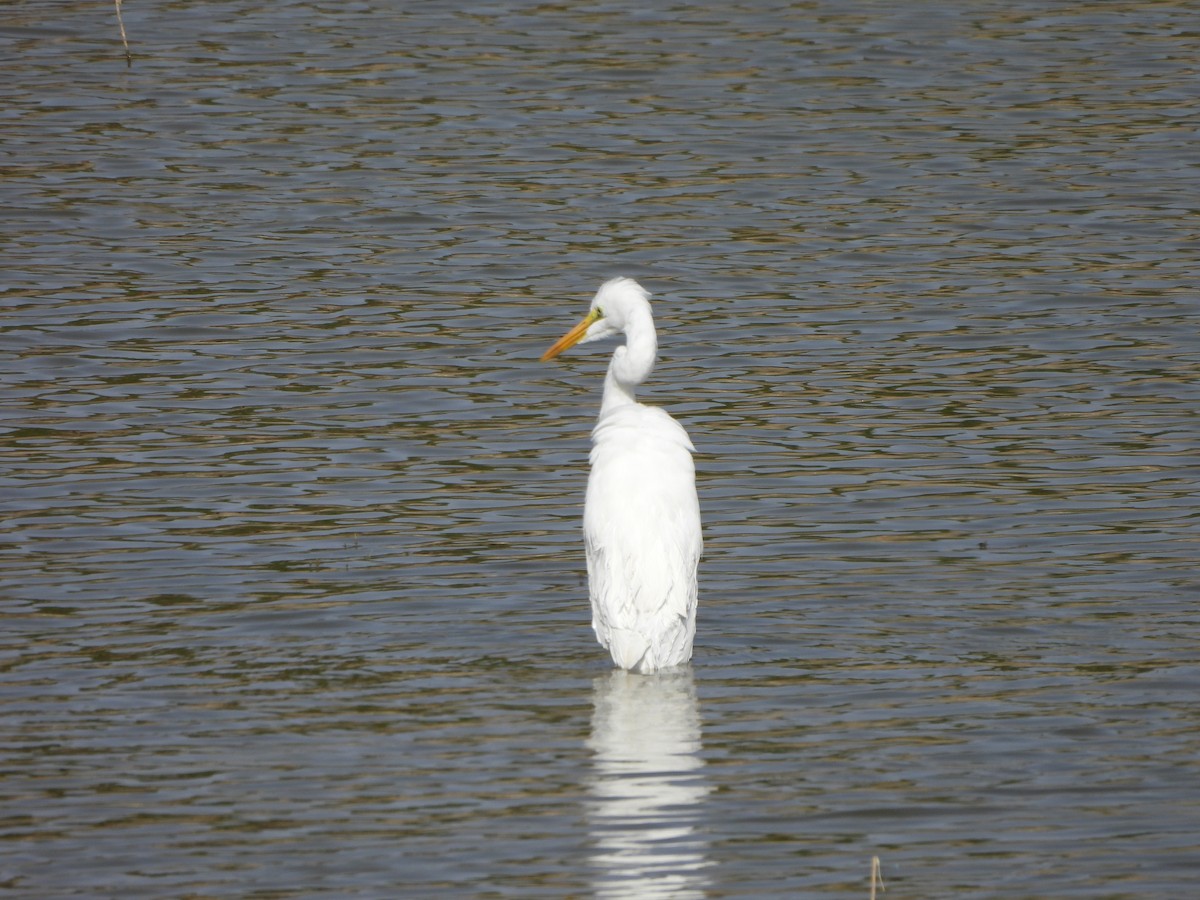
[{"x": 641, "y": 519}]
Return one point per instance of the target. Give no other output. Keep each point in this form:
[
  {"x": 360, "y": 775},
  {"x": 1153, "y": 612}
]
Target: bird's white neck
[{"x": 631, "y": 363}]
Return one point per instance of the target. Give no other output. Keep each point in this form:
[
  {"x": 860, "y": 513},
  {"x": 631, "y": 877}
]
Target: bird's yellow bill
[{"x": 572, "y": 337}]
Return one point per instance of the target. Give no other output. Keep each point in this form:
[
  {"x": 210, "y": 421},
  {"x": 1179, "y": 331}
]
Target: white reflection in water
[{"x": 648, "y": 786}]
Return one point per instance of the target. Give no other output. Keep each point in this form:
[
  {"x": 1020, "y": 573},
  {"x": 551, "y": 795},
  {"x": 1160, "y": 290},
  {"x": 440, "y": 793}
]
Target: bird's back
[{"x": 642, "y": 531}]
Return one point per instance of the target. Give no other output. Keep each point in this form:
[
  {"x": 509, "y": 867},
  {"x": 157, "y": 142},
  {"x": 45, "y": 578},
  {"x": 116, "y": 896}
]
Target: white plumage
[{"x": 641, "y": 520}]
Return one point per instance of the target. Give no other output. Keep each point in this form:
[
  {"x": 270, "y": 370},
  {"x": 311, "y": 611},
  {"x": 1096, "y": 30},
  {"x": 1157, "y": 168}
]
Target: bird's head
[{"x": 617, "y": 301}]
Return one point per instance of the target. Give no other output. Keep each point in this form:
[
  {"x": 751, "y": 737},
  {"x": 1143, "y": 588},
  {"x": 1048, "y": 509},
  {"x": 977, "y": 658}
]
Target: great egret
[{"x": 641, "y": 519}]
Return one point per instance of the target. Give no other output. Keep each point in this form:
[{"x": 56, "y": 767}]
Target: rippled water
[{"x": 291, "y": 576}]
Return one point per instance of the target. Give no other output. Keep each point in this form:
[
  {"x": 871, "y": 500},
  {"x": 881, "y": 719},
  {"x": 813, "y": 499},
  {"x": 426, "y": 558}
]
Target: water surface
[{"x": 291, "y": 573}]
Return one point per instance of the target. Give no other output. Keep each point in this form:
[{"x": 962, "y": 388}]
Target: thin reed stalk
[{"x": 124, "y": 39}]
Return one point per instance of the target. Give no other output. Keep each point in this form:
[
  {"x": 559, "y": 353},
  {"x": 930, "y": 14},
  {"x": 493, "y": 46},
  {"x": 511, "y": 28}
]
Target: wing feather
[{"x": 642, "y": 534}]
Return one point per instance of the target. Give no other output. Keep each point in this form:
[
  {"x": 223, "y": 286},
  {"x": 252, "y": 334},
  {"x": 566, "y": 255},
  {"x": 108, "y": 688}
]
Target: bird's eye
[{"x": 599, "y": 313}]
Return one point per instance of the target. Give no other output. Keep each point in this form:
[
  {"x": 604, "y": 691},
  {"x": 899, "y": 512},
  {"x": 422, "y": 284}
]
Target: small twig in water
[
  {"x": 876, "y": 877},
  {"x": 124, "y": 40}
]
